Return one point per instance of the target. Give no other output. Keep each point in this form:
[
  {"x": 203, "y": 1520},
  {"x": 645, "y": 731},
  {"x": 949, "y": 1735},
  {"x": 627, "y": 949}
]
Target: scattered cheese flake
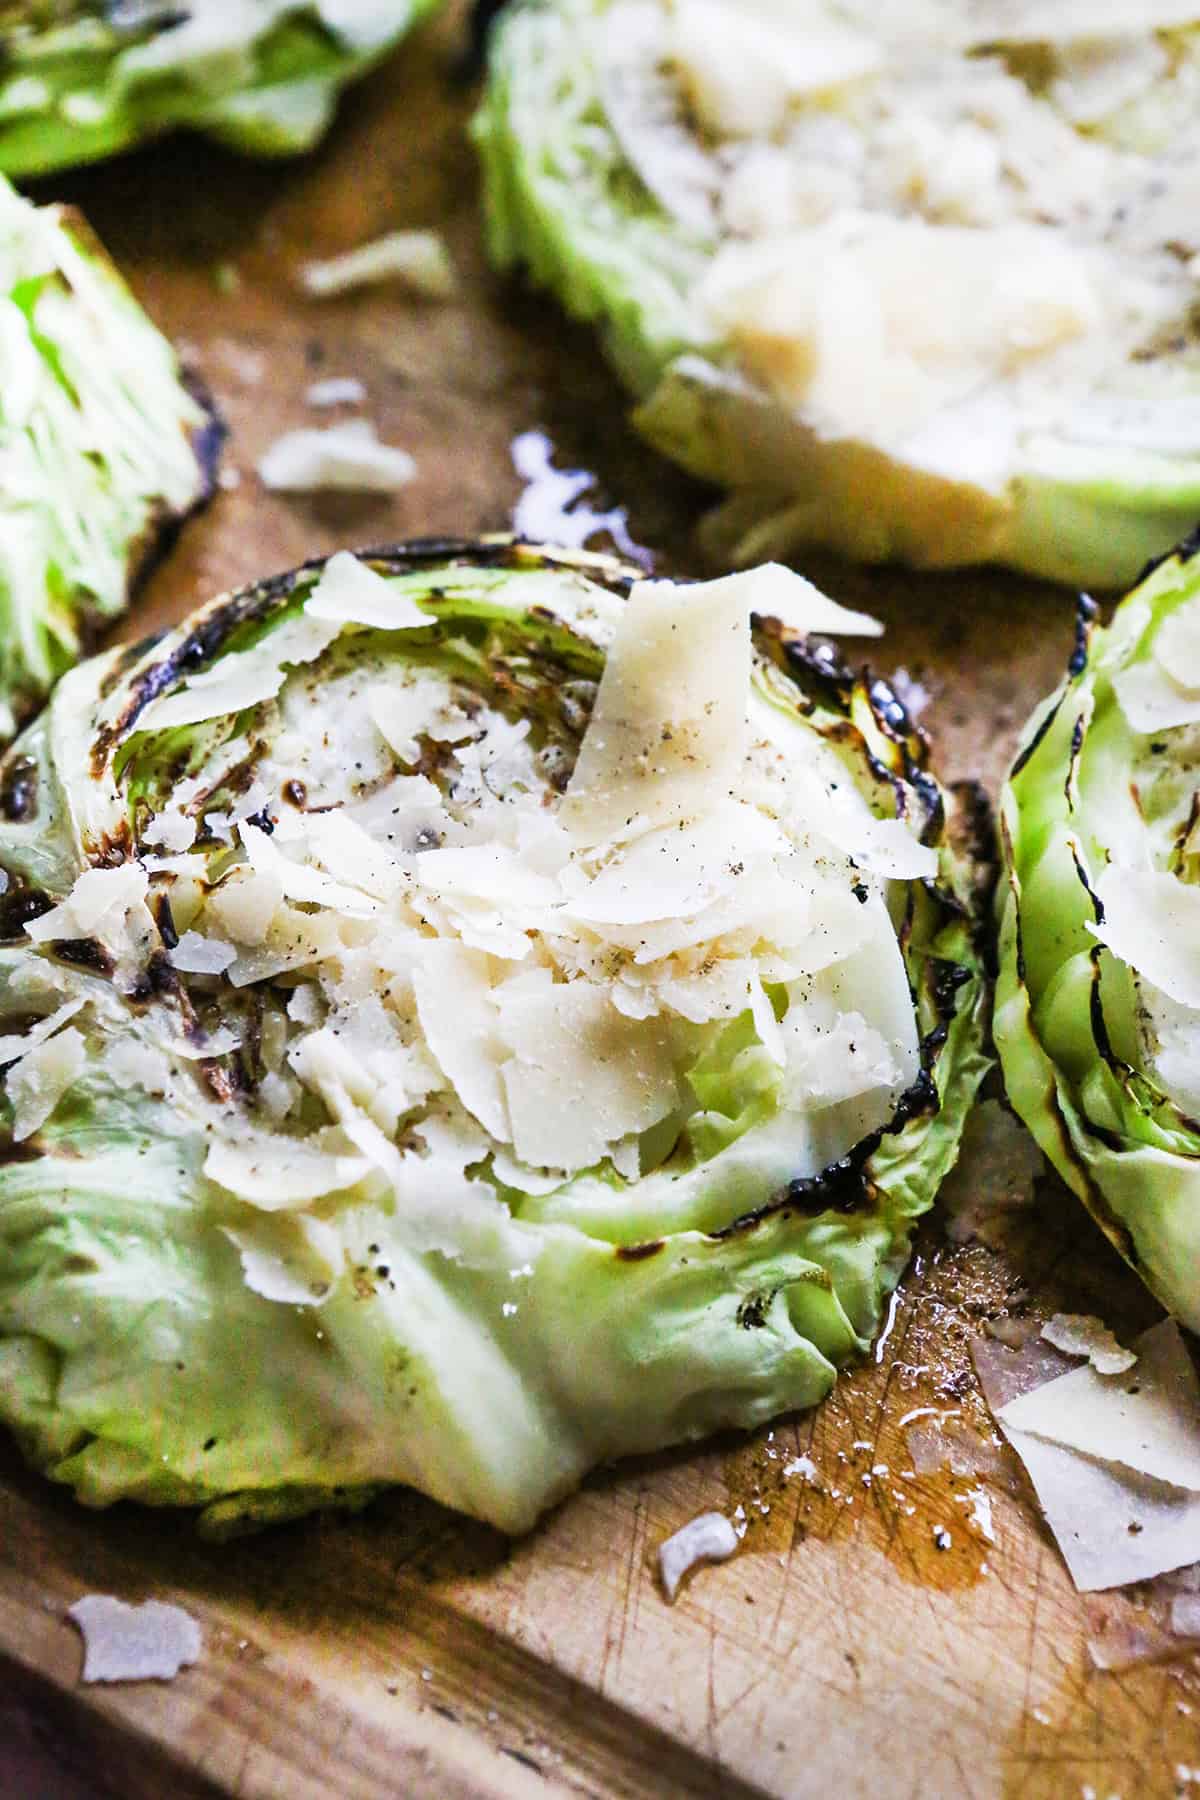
[
  {"x": 668, "y": 729},
  {"x": 276, "y": 1173},
  {"x": 1114, "y": 1460},
  {"x": 418, "y": 259},
  {"x": 350, "y": 593},
  {"x": 242, "y": 678},
  {"x": 292, "y": 1261},
  {"x": 197, "y": 955},
  {"x": 1149, "y": 1421},
  {"x": 339, "y": 458},
  {"x": 20, "y": 1043},
  {"x": 775, "y": 592},
  {"x": 336, "y": 390},
  {"x": 151, "y": 1642},
  {"x": 1079, "y": 1334},
  {"x": 1152, "y": 922},
  {"x": 38, "y": 1082},
  {"x": 581, "y": 1076},
  {"x": 461, "y": 1025},
  {"x": 98, "y": 897},
  {"x": 709, "y": 1538}
]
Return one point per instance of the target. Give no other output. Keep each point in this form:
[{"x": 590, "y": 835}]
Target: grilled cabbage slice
[
  {"x": 84, "y": 79},
  {"x": 103, "y": 446},
  {"x": 911, "y": 288},
  {"x": 426, "y": 1066},
  {"x": 1098, "y": 996}
]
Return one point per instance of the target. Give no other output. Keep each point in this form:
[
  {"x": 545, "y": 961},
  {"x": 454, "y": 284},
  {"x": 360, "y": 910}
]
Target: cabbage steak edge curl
[
  {"x": 377, "y": 1111},
  {"x": 1097, "y": 1017},
  {"x": 752, "y": 343}
]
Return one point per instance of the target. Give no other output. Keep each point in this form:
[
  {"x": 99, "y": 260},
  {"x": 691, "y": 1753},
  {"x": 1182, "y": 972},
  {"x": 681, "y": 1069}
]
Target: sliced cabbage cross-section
[
  {"x": 1098, "y": 999},
  {"x": 84, "y": 79},
  {"x": 469, "y": 1013},
  {"x": 103, "y": 446},
  {"x": 913, "y": 282}
]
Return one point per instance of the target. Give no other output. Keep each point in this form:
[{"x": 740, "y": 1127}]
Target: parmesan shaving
[
  {"x": 151, "y": 1642},
  {"x": 1152, "y": 922},
  {"x": 339, "y": 458},
  {"x": 708, "y": 1538},
  {"x": 335, "y": 390},
  {"x": 773, "y": 591},
  {"x": 275, "y": 1173},
  {"x": 580, "y": 1075},
  {"x": 668, "y": 729},
  {"x": 38, "y": 1082},
  {"x": 1080, "y": 1335},
  {"x": 241, "y": 678},
  {"x": 1149, "y": 1422},
  {"x": 18, "y": 1044},
  {"x": 196, "y": 955},
  {"x": 418, "y": 260},
  {"x": 350, "y": 593}
]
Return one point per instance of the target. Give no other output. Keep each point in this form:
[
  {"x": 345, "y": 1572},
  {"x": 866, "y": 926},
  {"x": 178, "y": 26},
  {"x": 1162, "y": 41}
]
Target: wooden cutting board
[{"x": 409, "y": 1653}]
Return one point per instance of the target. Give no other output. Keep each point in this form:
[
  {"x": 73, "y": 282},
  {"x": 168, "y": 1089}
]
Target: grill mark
[
  {"x": 18, "y": 789},
  {"x": 83, "y": 953}
]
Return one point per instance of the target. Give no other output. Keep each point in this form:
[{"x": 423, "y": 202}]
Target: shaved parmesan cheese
[
  {"x": 1112, "y": 1524},
  {"x": 675, "y": 872},
  {"x": 742, "y": 71},
  {"x": 419, "y": 260},
  {"x": 339, "y": 842},
  {"x": 172, "y": 831},
  {"x": 275, "y": 1173},
  {"x": 1152, "y": 922},
  {"x": 1080, "y": 1335},
  {"x": 243, "y": 907},
  {"x": 197, "y": 955},
  {"x": 668, "y": 730},
  {"x": 350, "y": 593},
  {"x": 38, "y": 1082},
  {"x": 18, "y": 1044},
  {"x": 293, "y": 941},
  {"x": 300, "y": 881},
  {"x": 490, "y": 872},
  {"x": 1177, "y": 645},
  {"x": 242, "y": 678},
  {"x": 581, "y": 1076},
  {"x": 336, "y": 390},
  {"x": 1148, "y": 1421},
  {"x": 1151, "y": 701},
  {"x": 1113, "y": 1527},
  {"x": 293, "y": 1261},
  {"x": 348, "y": 458},
  {"x": 775, "y": 592},
  {"x": 457, "y": 1014},
  {"x": 401, "y": 710},
  {"x": 151, "y": 1642},
  {"x": 709, "y": 1538},
  {"x": 1097, "y": 75},
  {"x": 99, "y": 898},
  {"x": 829, "y": 318}
]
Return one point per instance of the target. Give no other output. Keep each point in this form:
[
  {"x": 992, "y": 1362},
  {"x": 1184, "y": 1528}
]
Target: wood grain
[{"x": 406, "y": 1652}]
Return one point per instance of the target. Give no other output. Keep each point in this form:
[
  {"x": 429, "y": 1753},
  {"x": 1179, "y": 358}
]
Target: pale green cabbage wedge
[
  {"x": 90, "y": 78},
  {"x": 104, "y": 446},
  {"x": 257, "y": 1251},
  {"x": 768, "y": 289},
  {"x": 1096, "y": 1015}
]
